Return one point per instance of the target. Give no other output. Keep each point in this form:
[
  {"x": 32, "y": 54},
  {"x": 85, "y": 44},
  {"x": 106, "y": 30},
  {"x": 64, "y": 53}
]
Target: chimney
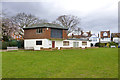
[
  {"x": 98, "y": 34},
  {"x": 89, "y": 33},
  {"x": 81, "y": 32}
]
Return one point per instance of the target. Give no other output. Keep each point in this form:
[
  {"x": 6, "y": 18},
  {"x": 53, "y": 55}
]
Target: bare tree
[
  {"x": 77, "y": 30},
  {"x": 68, "y": 21},
  {"x": 25, "y": 20}
]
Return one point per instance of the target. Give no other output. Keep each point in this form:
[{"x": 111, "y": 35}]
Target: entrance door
[
  {"x": 53, "y": 44},
  {"x": 75, "y": 44}
]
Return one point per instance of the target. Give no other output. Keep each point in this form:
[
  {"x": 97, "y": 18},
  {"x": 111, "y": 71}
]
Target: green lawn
[{"x": 74, "y": 63}]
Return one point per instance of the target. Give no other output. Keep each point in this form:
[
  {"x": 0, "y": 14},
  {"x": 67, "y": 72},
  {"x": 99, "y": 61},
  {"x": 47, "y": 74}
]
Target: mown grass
[{"x": 74, "y": 63}]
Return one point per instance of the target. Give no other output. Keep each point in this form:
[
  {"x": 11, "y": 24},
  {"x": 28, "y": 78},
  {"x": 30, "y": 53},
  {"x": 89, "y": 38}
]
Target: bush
[
  {"x": 13, "y": 43},
  {"x": 113, "y": 43},
  {"x": 97, "y": 45},
  {"x": 102, "y": 44},
  {"x": 108, "y": 45},
  {"x": 21, "y": 44},
  {"x": 0, "y": 44},
  {"x": 4, "y": 45}
]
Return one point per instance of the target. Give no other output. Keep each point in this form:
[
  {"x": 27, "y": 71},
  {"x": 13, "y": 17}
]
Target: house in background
[
  {"x": 83, "y": 35},
  {"x": 105, "y": 37},
  {"x": 94, "y": 40},
  {"x": 86, "y": 35},
  {"x": 115, "y": 37},
  {"x": 16, "y": 36},
  {"x": 48, "y": 35}
]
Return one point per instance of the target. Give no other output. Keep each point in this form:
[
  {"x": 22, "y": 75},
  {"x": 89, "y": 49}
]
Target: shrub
[
  {"x": 108, "y": 45},
  {"x": 21, "y": 44},
  {"x": 13, "y": 43},
  {"x": 102, "y": 44},
  {"x": 0, "y": 44},
  {"x": 4, "y": 45},
  {"x": 97, "y": 44},
  {"x": 113, "y": 43}
]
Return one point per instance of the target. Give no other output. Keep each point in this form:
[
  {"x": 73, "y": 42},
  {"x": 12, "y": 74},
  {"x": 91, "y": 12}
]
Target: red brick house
[
  {"x": 16, "y": 36},
  {"x": 105, "y": 37}
]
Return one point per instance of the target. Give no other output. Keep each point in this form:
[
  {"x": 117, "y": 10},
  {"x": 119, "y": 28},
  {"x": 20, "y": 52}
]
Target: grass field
[{"x": 75, "y": 63}]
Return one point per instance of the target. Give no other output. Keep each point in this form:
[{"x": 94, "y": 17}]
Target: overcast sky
[{"x": 96, "y": 15}]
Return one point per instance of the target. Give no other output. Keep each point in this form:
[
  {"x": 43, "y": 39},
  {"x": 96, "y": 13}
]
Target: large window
[
  {"x": 56, "y": 33},
  {"x": 116, "y": 40},
  {"x": 39, "y": 30},
  {"x": 65, "y": 43},
  {"x": 84, "y": 43},
  {"x": 38, "y": 42}
]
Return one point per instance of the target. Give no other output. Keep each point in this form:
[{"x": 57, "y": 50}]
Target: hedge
[
  {"x": 13, "y": 43},
  {"x": 112, "y": 43},
  {"x": 100, "y": 44}
]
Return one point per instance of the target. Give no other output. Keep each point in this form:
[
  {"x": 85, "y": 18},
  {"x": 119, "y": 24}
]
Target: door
[
  {"x": 53, "y": 44},
  {"x": 75, "y": 44}
]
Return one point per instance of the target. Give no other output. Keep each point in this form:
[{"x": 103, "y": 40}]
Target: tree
[
  {"x": 25, "y": 20},
  {"x": 6, "y": 27},
  {"x": 68, "y": 21}
]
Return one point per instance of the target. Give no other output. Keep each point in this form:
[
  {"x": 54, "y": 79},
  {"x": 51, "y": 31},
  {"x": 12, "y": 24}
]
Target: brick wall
[
  {"x": 31, "y": 34},
  {"x": 46, "y": 34},
  {"x": 65, "y": 34}
]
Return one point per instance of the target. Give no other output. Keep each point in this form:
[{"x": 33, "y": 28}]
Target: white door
[{"x": 75, "y": 44}]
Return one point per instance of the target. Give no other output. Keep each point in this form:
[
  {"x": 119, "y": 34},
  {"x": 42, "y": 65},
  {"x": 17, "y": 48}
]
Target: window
[
  {"x": 56, "y": 33},
  {"x": 65, "y": 43},
  {"x": 104, "y": 34},
  {"x": 115, "y": 40},
  {"x": 38, "y": 42},
  {"x": 84, "y": 43},
  {"x": 94, "y": 39},
  {"x": 39, "y": 30}
]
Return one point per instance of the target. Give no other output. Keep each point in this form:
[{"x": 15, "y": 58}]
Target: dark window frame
[
  {"x": 84, "y": 43},
  {"x": 39, "y": 42},
  {"x": 39, "y": 30},
  {"x": 56, "y": 33},
  {"x": 65, "y": 43}
]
